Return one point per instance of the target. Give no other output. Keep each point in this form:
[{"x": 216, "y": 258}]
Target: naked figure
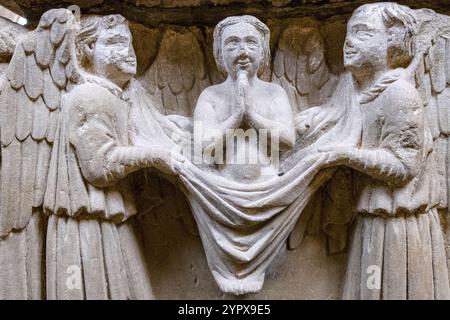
[
  {"x": 243, "y": 101},
  {"x": 253, "y": 138}
]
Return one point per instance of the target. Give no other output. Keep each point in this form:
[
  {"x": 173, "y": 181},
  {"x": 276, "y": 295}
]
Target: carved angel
[
  {"x": 92, "y": 199},
  {"x": 42, "y": 67},
  {"x": 397, "y": 235},
  {"x": 67, "y": 151}
]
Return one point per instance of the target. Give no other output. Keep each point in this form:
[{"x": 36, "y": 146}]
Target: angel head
[
  {"x": 105, "y": 48},
  {"x": 379, "y": 36},
  {"x": 241, "y": 44}
]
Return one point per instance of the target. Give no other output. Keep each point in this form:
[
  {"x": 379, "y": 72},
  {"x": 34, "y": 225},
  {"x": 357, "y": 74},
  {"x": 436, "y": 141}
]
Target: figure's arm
[
  {"x": 379, "y": 163},
  {"x": 212, "y": 128},
  {"x": 102, "y": 158},
  {"x": 282, "y": 119},
  {"x": 399, "y": 155}
]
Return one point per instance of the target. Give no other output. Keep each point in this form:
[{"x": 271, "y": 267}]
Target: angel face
[
  {"x": 113, "y": 55},
  {"x": 366, "y": 44},
  {"x": 241, "y": 49}
]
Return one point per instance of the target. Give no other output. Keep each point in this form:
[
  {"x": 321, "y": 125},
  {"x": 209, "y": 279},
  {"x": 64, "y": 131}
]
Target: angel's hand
[
  {"x": 306, "y": 119},
  {"x": 181, "y": 122},
  {"x": 338, "y": 155},
  {"x": 179, "y": 128},
  {"x": 167, "y": 161}
]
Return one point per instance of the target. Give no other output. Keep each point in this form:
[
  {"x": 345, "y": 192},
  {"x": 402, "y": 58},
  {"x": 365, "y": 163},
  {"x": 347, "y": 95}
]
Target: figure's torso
[{"x": 247, "y": 161}]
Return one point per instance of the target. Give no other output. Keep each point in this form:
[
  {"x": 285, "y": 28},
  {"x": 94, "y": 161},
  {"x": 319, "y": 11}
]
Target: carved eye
[
  {"x": 364, "y": 34},
  {"x": 231, "y": 45},
  {"x": 252, "y": 44}
]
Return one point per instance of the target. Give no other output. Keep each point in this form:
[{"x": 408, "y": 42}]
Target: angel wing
[
  {"x": 178, "y": 75},
  {"x": 300, "y": 68},
  {"x": 431, "y": 76},
  {"x": 42, "y": 66},
  {"x": 175, "y": 80},
  {"x": 9, "y": 33}
]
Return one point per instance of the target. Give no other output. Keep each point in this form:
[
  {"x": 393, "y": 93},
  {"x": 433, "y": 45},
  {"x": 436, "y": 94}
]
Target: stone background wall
[
  {"x": 175, "y": 257},
  {"x": 206, "y": 12}
]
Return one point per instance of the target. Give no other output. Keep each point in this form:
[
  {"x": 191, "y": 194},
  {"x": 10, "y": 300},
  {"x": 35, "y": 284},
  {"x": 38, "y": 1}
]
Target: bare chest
[{"x": 224, "y": 107}]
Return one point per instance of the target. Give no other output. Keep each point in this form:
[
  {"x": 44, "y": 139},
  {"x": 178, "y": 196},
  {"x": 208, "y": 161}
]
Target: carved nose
[
  {"x": 348, "y": 43},
  {"x": 243, "y": 53},
  {"x": 242, "y": 50}
]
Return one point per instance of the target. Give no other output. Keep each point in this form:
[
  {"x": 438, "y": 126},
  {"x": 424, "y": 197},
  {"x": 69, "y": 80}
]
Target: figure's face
[
  {"x": 113, "y": 55},
  {"x": 241, "y": 49},
  {"x": 366, "y": 42}
]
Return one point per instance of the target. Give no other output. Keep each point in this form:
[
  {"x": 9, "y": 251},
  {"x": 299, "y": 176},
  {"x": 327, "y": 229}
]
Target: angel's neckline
[
  {"x": 105, "y": 83},
  {"x": 380, "y": 85}
]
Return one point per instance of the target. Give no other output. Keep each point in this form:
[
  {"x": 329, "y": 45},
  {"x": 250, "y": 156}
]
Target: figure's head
[
  {"x": 105, "y": 48},
  {"x": 241, "y": 43},
  {"x": 379, "y": 36}
]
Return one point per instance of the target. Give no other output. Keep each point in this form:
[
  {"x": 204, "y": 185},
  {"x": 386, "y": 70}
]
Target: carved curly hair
[{"x": 90, "y": 30}]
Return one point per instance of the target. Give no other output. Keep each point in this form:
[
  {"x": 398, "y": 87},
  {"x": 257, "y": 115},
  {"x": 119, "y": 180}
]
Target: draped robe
[{"x": 244, "y": 225}]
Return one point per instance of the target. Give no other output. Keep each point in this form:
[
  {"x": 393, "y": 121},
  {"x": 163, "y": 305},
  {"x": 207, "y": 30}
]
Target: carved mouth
[{"x": 243, "y": 63}]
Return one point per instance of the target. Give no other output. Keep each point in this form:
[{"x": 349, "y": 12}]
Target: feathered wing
[
  {"x": 10, "y": 32},
  {"x": 431, "y": 76},
  {"x": 299, "y": 66},
  {"x": 42, "y": 66},
  {"x": 178, "y": 75},
  {"x": 175, "y": 80}
]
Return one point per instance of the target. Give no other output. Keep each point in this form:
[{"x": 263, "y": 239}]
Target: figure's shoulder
[
  {"x": 88, "y": 92},
  {"x": 272, "y": 90},
  {"x": 89, "y": 95},
  {"x": 402, "y": 92},
  {"x": 401, "y": 100},
  {"x": 214, "y": 92}
]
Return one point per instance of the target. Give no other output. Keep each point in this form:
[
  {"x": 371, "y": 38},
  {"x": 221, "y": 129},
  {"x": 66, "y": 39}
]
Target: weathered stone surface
[
  {"x": 99, "y": 126},
  {"x": 206, "y": 12}
]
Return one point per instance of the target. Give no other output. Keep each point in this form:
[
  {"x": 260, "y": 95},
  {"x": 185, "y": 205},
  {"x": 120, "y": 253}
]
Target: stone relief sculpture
[
  {"x": 9, "y": 34},
  {"x": 243, "y": 221},
  {"x": 89, "y": 134},
  {"x": 94, "y": 142},
  {"x": 243, "y": 101},
  {"x": 397, "y": 225},
  {"x": 300, "y": 68},
  {"x": 359, "y": 156},
  {"x": 43, "y": 65}
]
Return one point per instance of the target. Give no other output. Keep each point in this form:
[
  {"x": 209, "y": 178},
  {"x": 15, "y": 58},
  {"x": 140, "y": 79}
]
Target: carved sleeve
[
  {"x": 398, "y": 157},
  {"x": 103, "y": 159}
]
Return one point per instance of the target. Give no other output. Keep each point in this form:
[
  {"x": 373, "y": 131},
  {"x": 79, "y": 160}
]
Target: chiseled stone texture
[
  {"x": 209, "y": 12},
  {"x": 179, "y": 36},
  {"x": 175, "y": 256}
]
